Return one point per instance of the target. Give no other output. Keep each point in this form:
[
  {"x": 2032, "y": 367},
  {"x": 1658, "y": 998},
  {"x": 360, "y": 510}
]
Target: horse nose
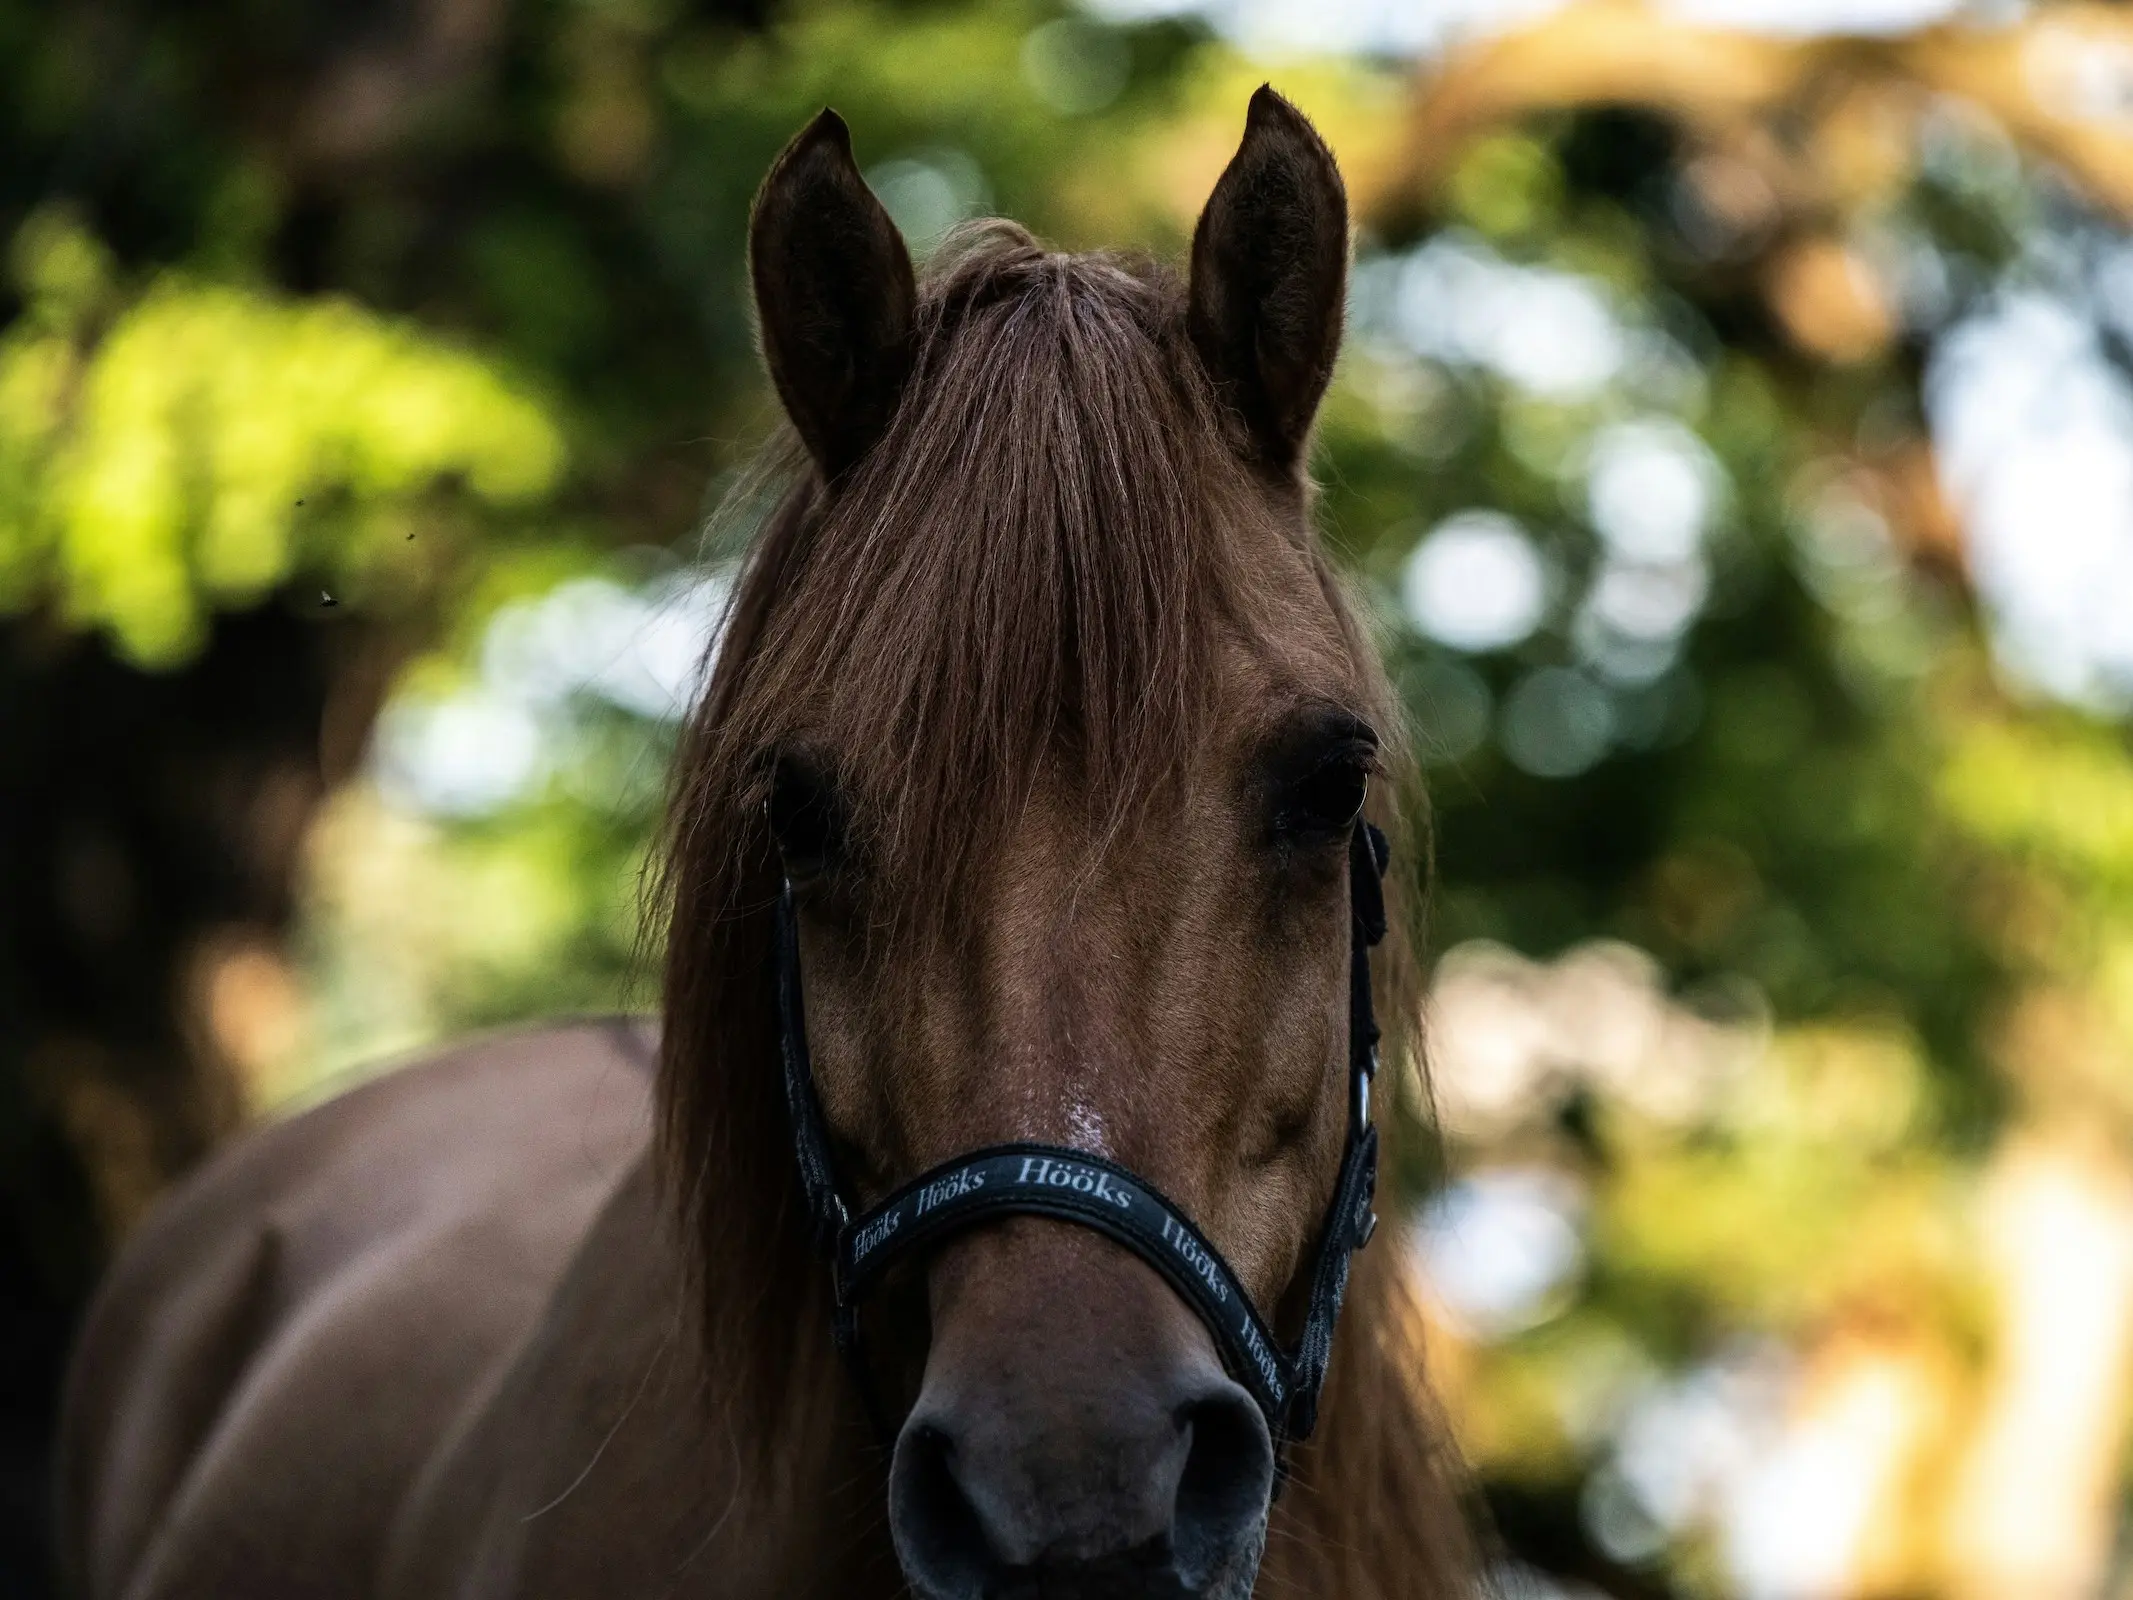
[{"x": 1163, "y": 1497}]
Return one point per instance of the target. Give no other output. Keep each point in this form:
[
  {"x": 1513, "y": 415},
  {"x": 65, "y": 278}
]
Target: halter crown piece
[{"x": 1082, "y": 1188}]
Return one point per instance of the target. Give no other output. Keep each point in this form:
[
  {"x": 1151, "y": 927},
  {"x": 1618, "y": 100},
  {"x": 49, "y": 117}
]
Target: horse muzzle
[{"x": 1080, "y": 1442}]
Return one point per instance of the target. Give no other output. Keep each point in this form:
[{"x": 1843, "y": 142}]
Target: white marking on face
[{"x": 1087, "y": 1128}]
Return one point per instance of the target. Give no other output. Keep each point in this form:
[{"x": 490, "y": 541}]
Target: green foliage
[{"x": 160, "y": 464}]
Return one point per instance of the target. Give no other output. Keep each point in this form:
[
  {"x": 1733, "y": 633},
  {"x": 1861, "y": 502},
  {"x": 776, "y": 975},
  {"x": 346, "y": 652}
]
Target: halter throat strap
[{"x": 1092, "y": 1192}]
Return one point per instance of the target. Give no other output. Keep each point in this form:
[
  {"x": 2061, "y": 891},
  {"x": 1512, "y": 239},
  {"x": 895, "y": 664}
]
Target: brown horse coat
[
  {"x": 427, "y": 1340},
  {"x": 411, "y": 1343}
]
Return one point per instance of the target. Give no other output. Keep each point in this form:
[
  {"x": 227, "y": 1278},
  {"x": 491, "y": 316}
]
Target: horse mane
[{"x": 1038, "y": 561}]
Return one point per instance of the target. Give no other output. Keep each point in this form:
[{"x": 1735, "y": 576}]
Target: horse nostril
[
  {"x": 938, "y": 1534},
  {"x": 1150, "y": 1499},
  {"x": 1223, "y": 1490}
]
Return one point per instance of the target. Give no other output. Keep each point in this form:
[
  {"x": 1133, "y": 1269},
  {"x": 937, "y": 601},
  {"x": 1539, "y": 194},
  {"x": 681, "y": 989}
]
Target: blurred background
[{"x": 1734, "y": 444}]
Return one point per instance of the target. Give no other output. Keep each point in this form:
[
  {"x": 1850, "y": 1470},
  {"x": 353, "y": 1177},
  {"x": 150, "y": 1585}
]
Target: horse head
[{"x": 1042, "y": 714}]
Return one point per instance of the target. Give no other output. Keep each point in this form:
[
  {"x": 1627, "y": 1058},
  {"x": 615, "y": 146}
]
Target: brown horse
[{"x": 1042, "y": 717}]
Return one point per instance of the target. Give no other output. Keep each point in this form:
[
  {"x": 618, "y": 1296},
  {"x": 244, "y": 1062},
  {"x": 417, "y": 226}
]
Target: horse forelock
[{"x": 1033, "y": 566}]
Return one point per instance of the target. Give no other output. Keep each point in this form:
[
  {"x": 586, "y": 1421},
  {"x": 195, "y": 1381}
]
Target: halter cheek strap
[{"x": 1092, "y": 1192}]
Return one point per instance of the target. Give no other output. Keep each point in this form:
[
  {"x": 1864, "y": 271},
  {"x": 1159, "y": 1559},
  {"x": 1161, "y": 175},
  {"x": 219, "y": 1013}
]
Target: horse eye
[
  {"x": 1328, "y": 800},
  {"x": 805, "y": 820}
]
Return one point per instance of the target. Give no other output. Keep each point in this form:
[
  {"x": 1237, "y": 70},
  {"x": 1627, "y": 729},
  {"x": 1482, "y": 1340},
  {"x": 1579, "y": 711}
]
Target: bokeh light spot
[
  {"x": 1557, "y": 723},
  {"x": 929, "y": 192},
  {"x": 1074, "y": 66},
  {"x": 1498, "y": 1248},
  {"x": 1476, "y": 582},
  {"x": 1453, "y": 705},
  {"x": 1651, "y": 487}
]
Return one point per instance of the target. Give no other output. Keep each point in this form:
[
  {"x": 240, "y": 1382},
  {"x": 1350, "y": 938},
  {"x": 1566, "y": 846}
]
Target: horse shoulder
[
  {"x": 274, "y": 1355},
  {"x": 576, "y": 1469},
  {"x": 601, "y": 1460}
]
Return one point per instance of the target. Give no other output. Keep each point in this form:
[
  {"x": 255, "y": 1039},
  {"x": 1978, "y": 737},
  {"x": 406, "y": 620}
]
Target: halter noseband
[{"x": 1087, "y": 1190}]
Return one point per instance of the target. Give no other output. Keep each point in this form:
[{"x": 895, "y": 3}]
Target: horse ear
[
  {"x": 834, "y": 295},
  {"x": 1269, "y": 268}
]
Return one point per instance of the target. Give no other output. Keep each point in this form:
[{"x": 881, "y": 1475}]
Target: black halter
[{"x": 1078, "y": 1187}]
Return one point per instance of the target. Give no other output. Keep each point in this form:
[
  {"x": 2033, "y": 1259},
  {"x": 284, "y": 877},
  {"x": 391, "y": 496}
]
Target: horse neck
[
  {"x": 1374, "y": 1508},
  {"x": 819, "y": 1476}
]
